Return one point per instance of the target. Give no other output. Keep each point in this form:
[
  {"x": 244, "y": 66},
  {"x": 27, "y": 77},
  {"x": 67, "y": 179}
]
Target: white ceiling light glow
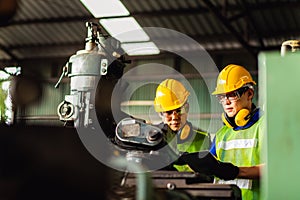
[
  {"x": 141, "y": 48},
  {"x": 117, "y": 22},
  {"x": 104, "y": 8},
  {"x": 125, "y": 29}
]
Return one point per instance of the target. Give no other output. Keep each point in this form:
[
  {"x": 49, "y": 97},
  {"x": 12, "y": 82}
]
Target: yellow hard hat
[
  {"x": 231, "y": 78},
  {"x": 170, "y": 95}
]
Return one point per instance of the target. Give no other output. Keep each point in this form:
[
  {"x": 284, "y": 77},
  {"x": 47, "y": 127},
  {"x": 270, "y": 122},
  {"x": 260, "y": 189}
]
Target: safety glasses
[
  {"x": 181, "y": 110},
  {"x": 232, "y": 96}
]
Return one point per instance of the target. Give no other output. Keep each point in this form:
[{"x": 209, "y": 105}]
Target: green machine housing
[{"x": 279, "y": 95}]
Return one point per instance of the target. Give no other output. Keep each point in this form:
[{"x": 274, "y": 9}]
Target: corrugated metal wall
[{"x": 44, "y": 112}]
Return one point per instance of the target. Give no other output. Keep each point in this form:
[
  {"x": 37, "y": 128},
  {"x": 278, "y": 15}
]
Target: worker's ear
[
  {"x": 187, "y": 107},
  {"x": 161, "y": 114},
  {"x": 250, "y": 93}
]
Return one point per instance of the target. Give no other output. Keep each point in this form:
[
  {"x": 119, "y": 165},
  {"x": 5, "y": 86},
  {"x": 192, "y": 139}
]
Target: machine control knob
[{"x": 65, "y": 110}]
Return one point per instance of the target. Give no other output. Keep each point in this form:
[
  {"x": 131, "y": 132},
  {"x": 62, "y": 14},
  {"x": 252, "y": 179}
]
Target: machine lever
[{"x": 64, "y": 73}]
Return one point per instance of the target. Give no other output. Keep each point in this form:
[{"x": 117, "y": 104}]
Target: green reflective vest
[
  {"x": 190, "y": 140},
  {"x": 241, "y": 148}
]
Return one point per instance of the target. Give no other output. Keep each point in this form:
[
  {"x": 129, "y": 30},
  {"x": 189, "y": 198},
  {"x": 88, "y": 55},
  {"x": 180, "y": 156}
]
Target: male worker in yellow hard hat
[
  {"x": 237, "y": 145},
  {"x": 171, "y": 102}
]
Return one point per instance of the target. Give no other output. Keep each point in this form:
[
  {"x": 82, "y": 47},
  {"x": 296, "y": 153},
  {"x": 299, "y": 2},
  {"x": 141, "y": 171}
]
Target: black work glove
[
  {"x": 205, "y": 162},
  {"x": 181, "y": 160},
  {"x": 226, "y": 171}
]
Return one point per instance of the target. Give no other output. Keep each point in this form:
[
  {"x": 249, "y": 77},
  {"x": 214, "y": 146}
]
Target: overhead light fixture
[
  {"x": 134, "y": 40},
  {"x": 140, "y": 48},
  {"x": 125, "y": 29},
  {"x": 105, "y": 8}
]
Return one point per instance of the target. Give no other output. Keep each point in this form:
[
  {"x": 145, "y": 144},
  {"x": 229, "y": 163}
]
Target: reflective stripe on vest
[
  {"x": 241, "y": 183},
  {"x": 237, "y": 144}
]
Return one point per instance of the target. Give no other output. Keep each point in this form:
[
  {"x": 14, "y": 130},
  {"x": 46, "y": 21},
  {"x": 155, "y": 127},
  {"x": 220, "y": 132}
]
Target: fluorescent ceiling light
[
  {"x": 140, "y": 48},
  {"x": 125, "y": 29},
  {"x": 105, "y": 8}
]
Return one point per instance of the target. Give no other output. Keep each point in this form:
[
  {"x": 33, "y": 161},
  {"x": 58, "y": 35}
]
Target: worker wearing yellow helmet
[
  {"x": 237, "y": 145},
  {"x": 171, "y": 102}
]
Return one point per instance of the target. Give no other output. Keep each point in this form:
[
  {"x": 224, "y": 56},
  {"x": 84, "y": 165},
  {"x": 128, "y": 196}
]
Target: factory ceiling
[{"x": 46, "y": 29}]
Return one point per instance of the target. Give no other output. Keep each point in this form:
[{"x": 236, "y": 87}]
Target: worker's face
[
  {"x": 177, "y": 118},
  {"x": 233, "y": 102}
]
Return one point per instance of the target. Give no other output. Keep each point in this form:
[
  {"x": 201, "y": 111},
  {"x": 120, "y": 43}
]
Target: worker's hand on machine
[
  {"x": 205, "y": 162},
  {"x": 180, "y": 160}
]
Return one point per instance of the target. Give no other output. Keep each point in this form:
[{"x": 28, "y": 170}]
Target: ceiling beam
[
  {"x": 200, "y": 9},
  {"x": 9, "y": 53},
  {"x": 53, "y": 20},
  {"x": 274, "y": 5},
  {"x": 77, "y": 45},
  {"x": 249, "y": 19},
  {"x": 167, "y": 12},
  {"x": 229, "y": 27},
  {"x": 199, "y": 38}
]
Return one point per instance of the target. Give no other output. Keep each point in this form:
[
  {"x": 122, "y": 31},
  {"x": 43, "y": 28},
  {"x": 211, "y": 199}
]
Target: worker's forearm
[{"x": 253, "y": 172}]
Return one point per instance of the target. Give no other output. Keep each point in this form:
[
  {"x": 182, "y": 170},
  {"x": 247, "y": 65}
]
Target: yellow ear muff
[
  {"x": 242, "y": 117},
  {"x": 185, "y": 132},
  {"x": 226, "y": 122}
]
